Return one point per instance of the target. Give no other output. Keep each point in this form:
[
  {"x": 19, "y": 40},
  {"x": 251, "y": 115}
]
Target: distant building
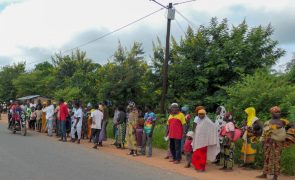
[{"x": 34, "y": 98}]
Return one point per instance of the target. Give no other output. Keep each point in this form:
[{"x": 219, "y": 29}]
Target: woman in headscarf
[
  {"x": 131, "y": 126},
  {"x": 253, "y": 130},
  {"x": 205, "y": 143},
  {"x": 273, "y": 138},
  {"x": 227, "y": 146},
  {"x": 196, "y": 120},
  {"x": 220, "y": 123}
]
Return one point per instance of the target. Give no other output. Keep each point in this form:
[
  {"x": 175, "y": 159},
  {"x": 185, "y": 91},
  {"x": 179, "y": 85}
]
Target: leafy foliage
[{"x": 262, "y": 91}]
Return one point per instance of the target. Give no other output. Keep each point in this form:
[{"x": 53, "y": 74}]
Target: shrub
[{"x": 262, "y": 91}]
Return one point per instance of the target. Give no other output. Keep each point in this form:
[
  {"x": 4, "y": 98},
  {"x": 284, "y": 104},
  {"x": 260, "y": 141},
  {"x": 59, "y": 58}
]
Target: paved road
[{"x": 36, "y": 157}]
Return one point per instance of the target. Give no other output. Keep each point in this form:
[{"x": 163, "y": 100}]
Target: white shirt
[
  {"x": 32, "y": 105},
  {"x": 73, "y": 120},
  {"x": 79, "y": 114},
  {"x": 97, "y": 117},
  {"x": 49, "y": 110}
]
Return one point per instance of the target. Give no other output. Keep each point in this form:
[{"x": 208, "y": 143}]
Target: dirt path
[{"x": 158, "y": 161}]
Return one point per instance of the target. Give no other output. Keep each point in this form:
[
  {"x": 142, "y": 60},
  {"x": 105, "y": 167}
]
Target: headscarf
[
  {"x": 199, "y": 108},
  {"x": 275, "y": 110},
  {"x": 219, "y": 122},
  {"x": 251, "y": 112},
  {"x": 202, "y": 111}
]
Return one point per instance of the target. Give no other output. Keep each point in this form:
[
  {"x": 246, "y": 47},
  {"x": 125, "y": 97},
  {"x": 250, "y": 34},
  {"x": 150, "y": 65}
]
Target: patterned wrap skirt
[{"x": 272, "y": 154}]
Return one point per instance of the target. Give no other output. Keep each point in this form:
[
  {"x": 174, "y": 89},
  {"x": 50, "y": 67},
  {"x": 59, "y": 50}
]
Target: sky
[{"x": 34, "y": 30}]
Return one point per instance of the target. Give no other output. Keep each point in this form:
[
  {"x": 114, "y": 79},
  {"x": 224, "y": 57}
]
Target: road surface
[{"x": 37, "y": 157}]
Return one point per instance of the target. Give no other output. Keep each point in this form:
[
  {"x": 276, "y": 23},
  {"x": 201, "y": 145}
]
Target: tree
[
  {"x": 215, "y": 56},
  {"x": 123, "y": 79},
  {"x": 7, "y": 75},
  {"x": 261, "y": 90},
  {"x": 78, "y": 72},
  {"x": 39, "y": 81}
]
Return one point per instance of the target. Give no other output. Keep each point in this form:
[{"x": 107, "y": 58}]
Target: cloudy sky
[{"x": 33, "y": 30}]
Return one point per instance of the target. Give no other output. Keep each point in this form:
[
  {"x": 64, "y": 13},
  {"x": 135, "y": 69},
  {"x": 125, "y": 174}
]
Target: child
[{"x": 188, "y": 149}]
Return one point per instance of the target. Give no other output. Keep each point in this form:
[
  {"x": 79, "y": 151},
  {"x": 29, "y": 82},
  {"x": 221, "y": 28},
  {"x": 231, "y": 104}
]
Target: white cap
[
  {"x": 174, "y": 105},
  {"x": 190, "y": 134}
]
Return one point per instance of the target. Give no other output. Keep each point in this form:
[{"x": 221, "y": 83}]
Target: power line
[
  {"x": 185, "y": 18},
  {"x": 116, "y": 30},
  {"x": 103, "y": 36},
  {"x": 159, "y": 4},
  {"x": 175, "y": 4},
  {"x": 179, "y": 26}
]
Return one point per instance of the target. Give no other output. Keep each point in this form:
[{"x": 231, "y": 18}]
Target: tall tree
[
  {"x": 215, "y": 56},
  {"x": 7, "y": 75}
]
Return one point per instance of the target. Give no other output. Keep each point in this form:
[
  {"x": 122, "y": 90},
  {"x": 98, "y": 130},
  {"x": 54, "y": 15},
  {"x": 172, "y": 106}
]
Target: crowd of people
[
  {"x": 215, "y": 141},
  {"x": 200, "y": 140}
]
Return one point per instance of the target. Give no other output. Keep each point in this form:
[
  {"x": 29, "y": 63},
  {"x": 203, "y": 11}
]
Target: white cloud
[{"x": 31, "y": 29}]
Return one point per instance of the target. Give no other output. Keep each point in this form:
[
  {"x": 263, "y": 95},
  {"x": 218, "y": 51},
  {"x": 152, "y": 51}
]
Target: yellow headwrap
[
  {"x": 251, "y": 112},
  {"x": 202, "y": 111}
]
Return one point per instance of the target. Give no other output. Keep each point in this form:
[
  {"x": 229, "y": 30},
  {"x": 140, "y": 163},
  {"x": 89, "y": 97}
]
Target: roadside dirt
[{"x": 157, "y": 160}]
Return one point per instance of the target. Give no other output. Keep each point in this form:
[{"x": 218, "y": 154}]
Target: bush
[
  {"x": 288, "y": 161},
  {"x": 262, "y": 91}
]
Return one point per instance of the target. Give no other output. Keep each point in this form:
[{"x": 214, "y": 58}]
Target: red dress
[{"x": 199, "y": 158}]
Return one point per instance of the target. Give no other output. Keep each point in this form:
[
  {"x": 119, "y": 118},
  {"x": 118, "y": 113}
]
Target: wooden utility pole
[
  {"x": 166, "y": 61},
  {"x": 170, "y": 16}
]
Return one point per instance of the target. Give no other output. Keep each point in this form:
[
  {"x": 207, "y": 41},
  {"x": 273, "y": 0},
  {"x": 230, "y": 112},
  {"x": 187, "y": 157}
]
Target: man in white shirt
[
  {"x": 96, "y": 117},
  {"x": 77, "y": 126},
  {"x": 49, "y": 110}
]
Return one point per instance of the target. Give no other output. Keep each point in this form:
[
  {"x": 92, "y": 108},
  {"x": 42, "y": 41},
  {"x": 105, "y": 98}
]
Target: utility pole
[{"x": 170, "y": 16}]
